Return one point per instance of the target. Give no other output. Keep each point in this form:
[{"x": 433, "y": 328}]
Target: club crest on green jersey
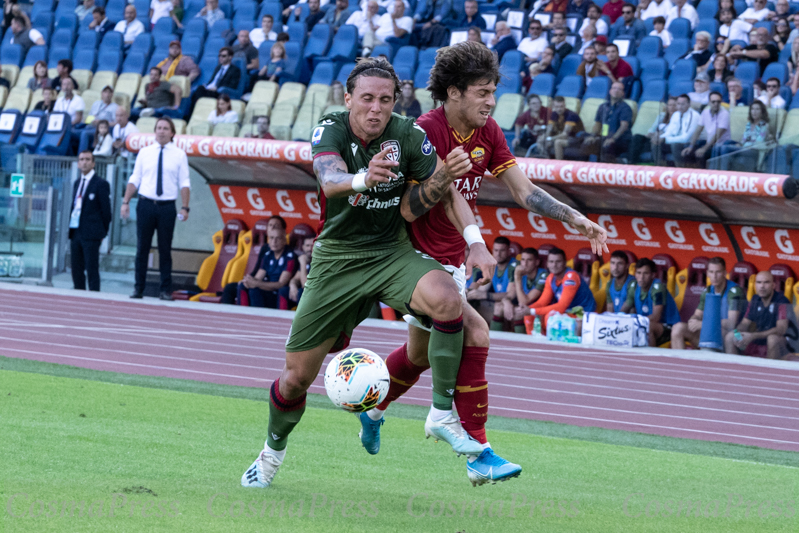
[{"x": 394, "y": 154}]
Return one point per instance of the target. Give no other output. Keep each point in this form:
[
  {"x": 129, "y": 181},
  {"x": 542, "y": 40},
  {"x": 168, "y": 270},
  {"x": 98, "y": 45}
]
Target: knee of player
[
  {"x": 678, "y": 330},
  {"x": 448, "y": 306},
  {"x": 774, "y": 340},
  {"x": 294, "y": 383},
  {"x": 476, "y": 334}
]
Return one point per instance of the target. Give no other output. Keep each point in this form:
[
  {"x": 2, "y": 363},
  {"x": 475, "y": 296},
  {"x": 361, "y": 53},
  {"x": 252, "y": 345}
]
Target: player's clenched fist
[
  {"x": 457, "y": 163},
  {"x": 380, "y": 169}
]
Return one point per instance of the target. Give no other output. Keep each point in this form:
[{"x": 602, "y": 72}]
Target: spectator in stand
[
  {"x": 661, "y": 31},
  {"x": 562, "y": 290},
  {"x": 103, "y": 142},
  {"x": 714, "y": 126},
  {"x": 579, "y": 7},
  {"x": 757, "y": 12},
  {"x": 47, "y": 102},
  {"x": 558, "y": 42},
  {"x": 23, "y": 35},
  {"x": 474, "y": 35},
  {"x": 39, "y": 79},
  {"x": 336, "y": 96},
  {"x": 100, "y": 22},
  {"x": 502, "y": 40},
  {"x": 611, "y": 134},
  {"x": 300, "y": 279},
  {"x": 70, "y": 103},
  {"x": 782, "y": 11},
  {"x": 558, "y": 21},
  {"x": 528, "y": 283},
  {"x": 211, "y": 12},
  {"x": 366, "y": 20},
  {"x": 681, "y": 128},
  {"x": 533, "y": 46},
  {"x": 130, "y": 27},
  {"x": 756, "y": 134},
  {"x": 545, "y": 66},
  {"x": 732, "y": 28},
  {"x": 701, "y": 52},
  {"x": 771, "y": 97},
  {"x": 315, "y": 14},
  {"x": 793, "y": 62},
  {"x": 177, "y": 13},
  {"x": 104, "y": 108},
  {"x": 277, "y": 62},
  {"x": 613, "y": 9},
  {"x": 243, "y": 48},
  {"x": 262, "y": 129},
  {"x": 589, "y": 68},
  {"x": 338, "y": 16},
  {"x": 562, "y": 131},
  {"x": 735, "y": 93},
  {"x": 594, "y": 19},
  {"x": 701, "y": 93},
  {"x": 432, "y": 11},
  {"x": 733, "y": 303},
  {"x": 600, "y": 44},
  {"x": 682, "y": 9},
  {"x": 557, "y": 6},
  {"x": 265, "y": 32},
  {"x": 628, "y": 26},
  {"x": 496, "y": 291},
  {"x": 122, "y": 131},
  {"x": 648, "y": 9},
  {"x": 64, "y": 71},
  {"x": 648, "y": 296},
  {"x": 719, "y": 72},
  {"x": 530, "y": 124},
  {"x": 392, "y": 24},
  {"x": 616, "y": 68},
  {"x": 782, "y": 32},
  {"x": 655, "y": 134},
  {"x": 471, "y": 17},
  {"x": 160, "y": 97},
  {"x": 589, "y": 40},
  {"x": 176, "y": 64},
  {"x": 795, "y": 31},
  {"x": 84, "y": 9},
  {"x": 160, "y": 9},
  {"x": 269, "y": 287},
  {"x": 223, "y": 114},
  {"x": 407, "y": 105},
  {"x": 225, "y": 75},
  {"x": 762, "y": 332},
  {"x": 620, "y": 282},
  {"x": 761, "y": 49}
]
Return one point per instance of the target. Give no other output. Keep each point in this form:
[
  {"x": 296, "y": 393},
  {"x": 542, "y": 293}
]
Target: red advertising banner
[
  {"x": 550, "y": 171},
  {"x": 764, "y": 247},
  {"x": 250, "y": 204}
]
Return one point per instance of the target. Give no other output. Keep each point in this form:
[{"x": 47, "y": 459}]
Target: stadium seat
[
  {"x": 709, "y": 25},
  {"x": 598, "y": 88},
  {"x": 344, "y": 73},
  {"x": 680, "y": 28},
  {"x": 11, "y": 54},
  {"x": 270, "y": 7},
  {"x": 677, "y": 49},
  {"x": 583, "y": 263},
  {"x": 666, "y": 270},
  {"x": 102, "y": 78},
  {"x": 18, "y": 98},
  {"x": 200, "y": 128},
  {"x": 67, "y": 21},
  {"x": 202, "y": 109},
  {"x": 143, "y": 44},
  {"x": 207, "y": 66},
  {"x": 115, "y": 10},
  {"x": 748, "y": 72},
  {"x": 264, "y": 92},
  {"x": 425, "y": 100},
  {"x": 225, "y": 130},
  {"x": 297, "y": 31},
  {"x": 55, "y": 139},
  {"x": 135, "y": 63},
  {"x": 508, "y": 107},
  {"x": 784, "y": 278},
  {"x": 405, "y": 62},
  {"x": 679, "y": 87},
  {"x": 654, "y": 69},
  {"x": 281, "y": 120},
  {"x": 3, "y": 95},
  {"x": 192, "y": 45},
  {"x": 683, "y": 69},
  {"x": 164, "y": 26},
  {"x": 743, "y": 273},
  {"x": 88, "y": 41},
  {"x": 654, "y": 90},
  {"x": 318, "y": 42},
  {"x": 294, "y": 62},
  {"x": 385, "y": 50},
  {"x": 221, "y": 29},
  {"x": 510, "y": 81},
  {"x": 244, "y": 80},
  {"x": 588, "y": 110},
  {"x": 85, "y": 59},
  {"x": 790, "y": 128},
  {"x": 10, "y": 125},
  {"x": 197, "y": 27},
  {"x": 707, "y": 9},
  {"x": 9, "y": 73},
  {"x": 324, "y": 73},
  {"x": 291, "y": 93},
  {"x": 63, "y": 37},
  {"x": 427, "y": 59},
  {"x": 690, "y": 283},
  {"x": 83, "y": 77},
  {"x": 543, "y": 85},
  {"x": 32, "y": 129},
  {"x": 571, "y": 86},
  {"x": 112, "y": 41},
  {"x": 247, "y": 260},
  {"x": 776, "y": 70},
  {"x": 265, "y": 52},
  {"x": 739, "y": 116},
  {"x": 310, "y": 112},
  {"x": 35, "y": 53},
  {"x": 42, "y": 13}
]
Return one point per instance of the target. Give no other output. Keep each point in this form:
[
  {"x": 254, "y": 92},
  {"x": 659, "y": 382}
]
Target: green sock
[
  {"x": 283, "y": 416},
  {"x": 497, "y": 324},
  {"x": 519, "y": 329},
  {"x": 444, "y": 353}
]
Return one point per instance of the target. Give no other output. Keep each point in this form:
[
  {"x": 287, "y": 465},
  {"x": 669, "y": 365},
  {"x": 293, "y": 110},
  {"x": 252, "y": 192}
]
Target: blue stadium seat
[
  {"x": 162, "y": 40},
  {"x": 57, "y": 53},
  {"x": 324, "y": 73},
  {"x": 635, "y": 64},
  {"x": 63, "y": 37},
  {"x": 654, "y": 69},
  {"x": 297, "y": 31},
  {"x": 89, "y": 40},
  {"x": 115, "y": 10},
  {"x": 226, "y": 8},
  {"x": 766, "y": 24},
  {"x": 683, "y": 69},
  {"x": 680, "y": 28},
  {"x": 220, "y": 28},
  {"x": 319, "y": 42},
  {"x": 294, "y": 63},
  {"x": 427, "y": 58},
  {"x": 85, "y": 59},
  {"x": 678, "y": 87},
  {"x": 9, "y": 133},
  {"x": 142, "y": 44},
  {"x": 164, "y": 25},
  {"x": 344, "y": 73},
  {"x": 109, "y": 60},
  {"x": 304, "y": 12},
  {"x": 707, "y": 9},
  {"x": 135, "y": 62},
  {"x": 36, "y": 53},
  {"x": 212, "y": 46},
  {"x": 192, "y": 8},
  {"x": 748, "y": 72},
  {"x": 112, "y": 41},
  {"x": 721, "y": 88},
  {"x": 67, "y": 6},
  {"x": 344, "y": 46},
  {"x": 56, "y": 136},
  {"x": 271, "y": 8},
  {"x": 571, "y": 86},
  {"x": 39, "y": 7},
  {"x": 44, "y": 20},
  {"x": 192, "y": 45},
  {"x": 405, "y": 62},
  {"x": 654, "y": 91},
  {"x": 265, "y": 53},
  {"x": 385, "y": 50},
  {"x": 650, "y": 47},
  {"x": 159, "y": 54},
  {"x": 774, "y": 70},
  {"x": 246, "y": 12},
  {"x": 11, "y": 54},
  {"x": 83, "y": 25},
  {"x": 787, "y": 95},
  {"x": 207, "y": 66},
  {"x": 67, "y": 21},
  {"x": 543, "y": 85},
  {"x": 677, "y": 49},
  {"x": 569, "y": 65},
  {"x": 598, "y": 88},
  {"x": 34, "y": 124},
  {"x": 709, "y": 25},
  {"x": 196, "y": 27}
]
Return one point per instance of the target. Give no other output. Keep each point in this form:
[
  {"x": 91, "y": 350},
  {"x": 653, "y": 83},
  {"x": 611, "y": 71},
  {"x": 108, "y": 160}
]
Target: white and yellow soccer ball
[{"x": 357, "y": 380}]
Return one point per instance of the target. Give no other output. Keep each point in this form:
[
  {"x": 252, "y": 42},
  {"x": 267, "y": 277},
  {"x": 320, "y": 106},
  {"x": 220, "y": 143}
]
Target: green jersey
[
  {"x": 732, "y": 293},
  {"x": 369, "y": 223}
]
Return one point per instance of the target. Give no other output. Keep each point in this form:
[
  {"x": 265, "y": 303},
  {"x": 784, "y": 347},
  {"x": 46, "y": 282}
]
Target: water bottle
[
  {"x": 537, "y": 327},
  {"x": 737, "y": 335},
  {"x": 15, "y": 267},
  {"x": 3, "y": 266}
]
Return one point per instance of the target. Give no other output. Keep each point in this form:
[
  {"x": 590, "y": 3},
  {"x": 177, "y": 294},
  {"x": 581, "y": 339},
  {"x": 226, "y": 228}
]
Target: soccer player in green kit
[{"x": 374, "y": 169}]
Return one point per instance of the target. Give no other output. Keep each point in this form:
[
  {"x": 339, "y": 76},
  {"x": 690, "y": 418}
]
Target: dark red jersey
[{"x": 433, "y": 233}]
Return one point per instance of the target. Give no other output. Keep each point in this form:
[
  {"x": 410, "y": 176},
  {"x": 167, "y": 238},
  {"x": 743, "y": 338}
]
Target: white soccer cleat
[
  {"x": 262, "y": 471},
  {"x": 451, "y": 431}
]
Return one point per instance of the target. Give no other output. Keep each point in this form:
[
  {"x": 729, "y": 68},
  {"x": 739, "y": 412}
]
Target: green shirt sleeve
[
  {"x": 329, "y": 136},
  {"x": 701, "y": 306},
  {"x": 541, "y": 280},
  {"x": 630, "y": 296},
  {"x": 422, "y": 154},
  {"x": 736, "y": 299},
  {"x": 658, "y": 293}
]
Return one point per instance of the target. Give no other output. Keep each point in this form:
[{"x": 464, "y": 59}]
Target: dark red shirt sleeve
[{"x": 501, "y": 157}]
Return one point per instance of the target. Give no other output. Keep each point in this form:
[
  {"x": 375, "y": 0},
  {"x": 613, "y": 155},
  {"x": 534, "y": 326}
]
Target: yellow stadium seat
[
  {"x": 588, "y": 111},
  {"x": 647, "y": 115},
  {"x": 122, "y": 100},
  {"x": 202, "y": 109},
  {"x": 239, "y": 107},
  {"x": 89, "y": 98},
  {"x": 790, "y": 130},
  {"x": 291, "y": 93},
  {"x": 739, "y": 116},
  {"x": 316, "y": 95},
  {"x": 238, "y": 266},
  {"x": 200, "y": 128},
  {"x": 264, "y": 92},
  {"x": 311, "y": 111},
  {"x": 24, "y": 75},
  {"x": 795, "y": 296},
  {"x": 128, "y": 83},
  {"x": 507, "y": 109},
  {"x": 247, "y": 128},
  {"x": 776, "y": 120},
  {"x": 140, "y": 95},
  {"x": 3, "y": 95},
  {"x": 425, "y": 100},
  {"x": 184, "y": 83},
  {"x": 83, "y": 77},
  {"x": 221, "y": 258},
  {"x": 103, "y": 78},
  {"x": 180, "y": 126},
  {"x": 226, "y": 130},
  {"x": 10, "y": 73},
  {"x": 18, "y": 98},
  {"x": 283, "y": 116},
  {"x": 146, "y": 124},
  {"x": 634, "y": 106},
  {"x": 573, "y": 104},
  {"x": 36, "y": 97},
  {"x": 254, "y": 110},
  {"x": 681, "y": 285},
  {"x": 596, "y": 287}
]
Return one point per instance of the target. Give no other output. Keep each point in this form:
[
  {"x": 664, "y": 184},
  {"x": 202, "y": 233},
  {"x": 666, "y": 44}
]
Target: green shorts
[{"x": 340, "y": 294}]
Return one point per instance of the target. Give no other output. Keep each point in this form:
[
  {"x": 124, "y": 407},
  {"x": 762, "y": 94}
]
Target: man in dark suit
[
  {"x": 100, "y": 22},
  {"x": 503, "y": 39},
  {"x": 225, "y": 75},
  {"x": 88, "y": 223}
]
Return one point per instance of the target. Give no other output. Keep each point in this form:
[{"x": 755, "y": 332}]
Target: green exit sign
[{"x": 17, "y": 185}]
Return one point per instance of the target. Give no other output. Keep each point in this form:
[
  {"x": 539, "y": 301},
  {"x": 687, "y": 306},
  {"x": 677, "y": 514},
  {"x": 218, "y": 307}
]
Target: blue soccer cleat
[
  {"x": 450, "y": 430},
  {"x": 370, "y": 433},
  {"x": 490, "y": 468}
]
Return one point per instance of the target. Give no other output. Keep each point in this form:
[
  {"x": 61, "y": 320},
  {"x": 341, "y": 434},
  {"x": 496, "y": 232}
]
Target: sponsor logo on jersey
[
  {"x": 478, "y": 154},
  {"x": 569, "y": 283},
  {"x": 357, "y": 200},
  {"x": 316, "y": 138},
  {"x": 394, "y": 154},
  {"x": 326, "y": 123},
  {"x": 427, "y": 146}
]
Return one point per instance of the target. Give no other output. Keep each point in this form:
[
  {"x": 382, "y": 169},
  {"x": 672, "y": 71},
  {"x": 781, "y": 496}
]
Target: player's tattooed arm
[
  {"x": 333, "y": 176},
  {"x": 541, "y": 202}
]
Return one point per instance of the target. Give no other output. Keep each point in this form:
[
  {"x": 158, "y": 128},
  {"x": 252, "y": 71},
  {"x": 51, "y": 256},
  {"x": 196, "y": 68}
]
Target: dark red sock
[
  {"x": 471, "y": 392},
  {"x": 403, "y": 375}
]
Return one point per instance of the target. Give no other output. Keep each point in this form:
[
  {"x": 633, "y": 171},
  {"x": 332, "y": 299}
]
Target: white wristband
[
  {"x": 472, "y": 235},
  {"x": 359, "y": 182}
]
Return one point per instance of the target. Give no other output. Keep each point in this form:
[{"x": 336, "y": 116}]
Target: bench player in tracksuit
[
  {"x": 563, "y": 289},
  {"x": 649, "y": 297}
]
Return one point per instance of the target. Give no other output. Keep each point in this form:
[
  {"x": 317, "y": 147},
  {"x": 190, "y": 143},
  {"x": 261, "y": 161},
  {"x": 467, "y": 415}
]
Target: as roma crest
[
  {"x": 478, "y": 154},
  {"x": 394, "y": 154}
]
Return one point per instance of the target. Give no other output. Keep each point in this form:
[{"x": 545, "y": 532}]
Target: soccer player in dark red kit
[{"x": 464, "y": 78}]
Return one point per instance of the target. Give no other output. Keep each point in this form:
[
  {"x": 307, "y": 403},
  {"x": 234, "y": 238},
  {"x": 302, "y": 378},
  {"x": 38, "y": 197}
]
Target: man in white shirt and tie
[
  {"x": 88, "y": 223},
  {"x": 680, "y": 131},
  {"x": 130, "y": 27},
  {"x": 160, "y": 175}
]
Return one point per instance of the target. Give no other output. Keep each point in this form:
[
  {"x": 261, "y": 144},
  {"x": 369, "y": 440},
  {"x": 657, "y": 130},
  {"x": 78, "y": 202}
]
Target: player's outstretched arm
[
  {"x": 336, "y": 180},
  {"x": 419, "y": 198},
  {"x": 537, "y": 200}
]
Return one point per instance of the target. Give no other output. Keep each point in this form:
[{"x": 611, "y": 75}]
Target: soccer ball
[{"x": 357, "y": 380}]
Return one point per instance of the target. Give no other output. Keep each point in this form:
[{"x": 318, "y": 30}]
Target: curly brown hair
[
  {"x": 460, "y": 66},
  {"x": 374, "y": 67}
]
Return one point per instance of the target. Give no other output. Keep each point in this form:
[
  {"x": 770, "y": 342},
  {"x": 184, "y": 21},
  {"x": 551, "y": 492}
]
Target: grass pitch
[{"x": 93, "y": 451}]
